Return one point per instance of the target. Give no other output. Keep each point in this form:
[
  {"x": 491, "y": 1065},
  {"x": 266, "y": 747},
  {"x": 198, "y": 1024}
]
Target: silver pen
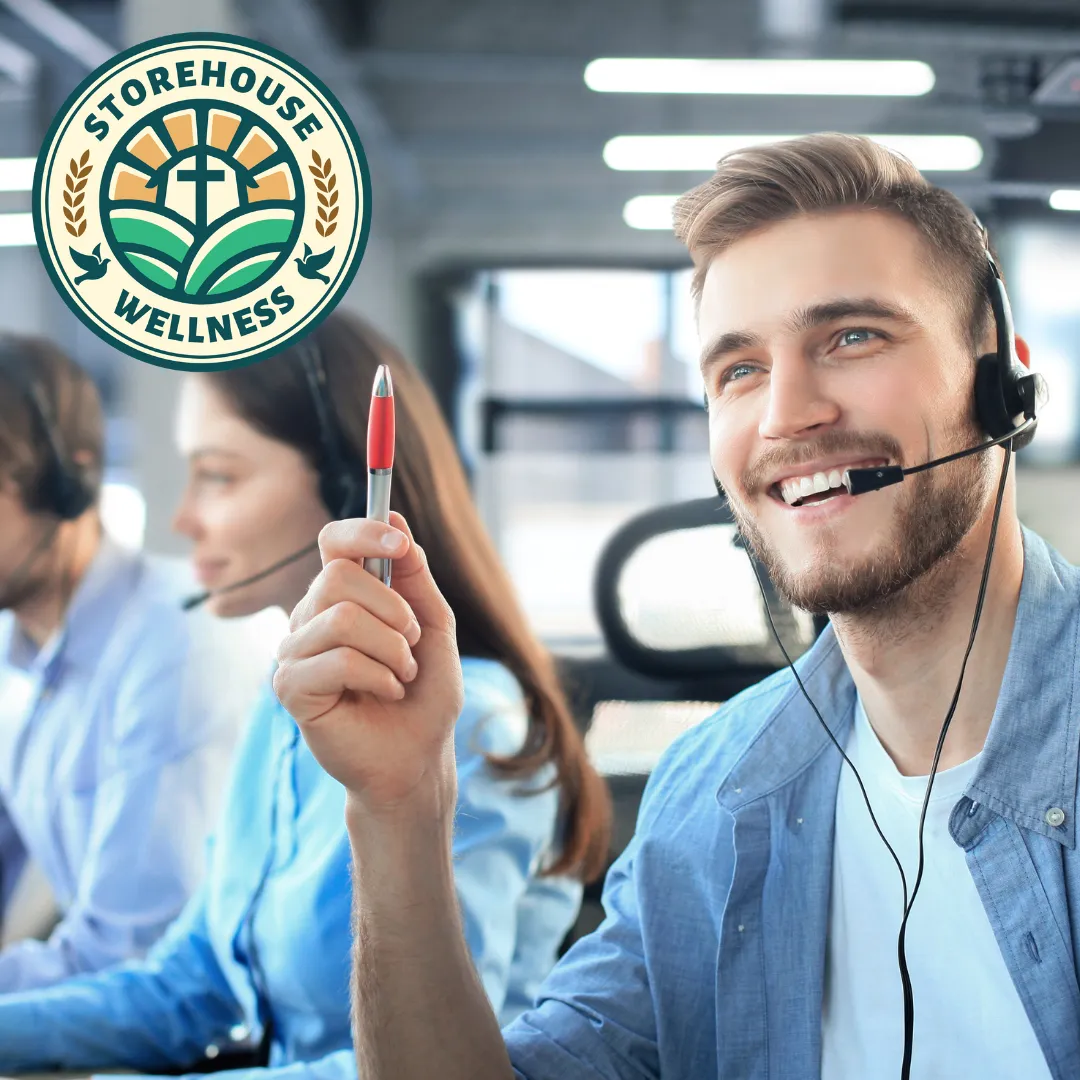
[{"x": 380, "y": 461}]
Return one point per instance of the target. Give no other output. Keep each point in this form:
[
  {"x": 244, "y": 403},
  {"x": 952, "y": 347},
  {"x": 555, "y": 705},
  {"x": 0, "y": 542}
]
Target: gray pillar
[{"x": 145, "y": 19}]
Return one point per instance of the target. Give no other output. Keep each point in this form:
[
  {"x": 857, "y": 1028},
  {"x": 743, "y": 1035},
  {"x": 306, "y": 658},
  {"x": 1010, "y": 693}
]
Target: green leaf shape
[
  {"x": 241, "y": 275},
  {"x": 153, "y": 270},
  {"x": 138, "y": 231},
  {"x": 260, "y": 229}
]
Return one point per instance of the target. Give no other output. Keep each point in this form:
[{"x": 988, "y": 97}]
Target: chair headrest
[{"x": 676, "y": 598}]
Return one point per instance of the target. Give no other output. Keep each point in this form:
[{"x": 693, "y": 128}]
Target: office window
[
  {"x": 580, "y": 407},
  {"x": 1042, "y": 264}
]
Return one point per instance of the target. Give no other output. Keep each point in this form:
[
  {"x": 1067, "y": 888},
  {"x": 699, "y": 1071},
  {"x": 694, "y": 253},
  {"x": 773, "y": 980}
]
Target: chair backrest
[{"x": 677, "y": 599}]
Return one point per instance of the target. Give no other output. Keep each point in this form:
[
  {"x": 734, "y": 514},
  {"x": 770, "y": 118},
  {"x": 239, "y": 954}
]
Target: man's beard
[
  {"x": 31, "y": 577},
  {"x": 16, "y": 594},
  {"x": 934, "y": 511}
]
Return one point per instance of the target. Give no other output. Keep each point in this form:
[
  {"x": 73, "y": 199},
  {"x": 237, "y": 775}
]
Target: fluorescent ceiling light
[
  {"x": 17, "y": 173},
  {"x": 649, "y": 211},
  {"x": 846, "y": 78},
  {"x": 1065, "y": 199},
  {"x": 17, "y": 230},
  {"x": 700, "y": 153}
]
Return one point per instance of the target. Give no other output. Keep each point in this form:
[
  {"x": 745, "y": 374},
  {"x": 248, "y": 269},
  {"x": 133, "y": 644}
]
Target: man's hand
[
  {"x": 373, "y": 678},
  {"x": 372, "y": 674}
]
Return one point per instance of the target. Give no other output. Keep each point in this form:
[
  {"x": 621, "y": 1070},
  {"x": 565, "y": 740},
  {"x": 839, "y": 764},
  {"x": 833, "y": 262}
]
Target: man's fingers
[
  {"x": 361, "y": 538},
  {"x": 358, "y": 538},
  {"x": 345, "y": 581},
  {"x": 412, "y": 578},
  {"x": 314, "y": 685},
  {"x": 351, "y": 626}
]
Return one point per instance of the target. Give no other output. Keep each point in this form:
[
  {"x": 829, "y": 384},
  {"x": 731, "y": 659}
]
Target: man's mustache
[{"x": 780, "y": 459}]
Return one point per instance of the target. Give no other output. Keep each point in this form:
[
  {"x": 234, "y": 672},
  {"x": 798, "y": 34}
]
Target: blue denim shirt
[
  {"x": 284, "y": 827},
  {"x": 711, "y": 959}
]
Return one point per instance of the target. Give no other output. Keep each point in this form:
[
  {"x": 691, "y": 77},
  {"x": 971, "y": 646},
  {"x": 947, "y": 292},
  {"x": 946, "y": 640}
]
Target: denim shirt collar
[{"x": 1029, "y": 761}]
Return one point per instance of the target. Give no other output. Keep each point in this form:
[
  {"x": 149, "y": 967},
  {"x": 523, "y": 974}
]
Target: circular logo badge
[{"x": 201, "y": 201}]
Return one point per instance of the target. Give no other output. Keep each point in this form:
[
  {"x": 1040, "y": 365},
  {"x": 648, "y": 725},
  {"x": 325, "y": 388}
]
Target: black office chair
[{"x": 683, "y": 621}]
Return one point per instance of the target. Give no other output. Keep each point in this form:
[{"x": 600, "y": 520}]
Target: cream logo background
[{"x": 201, "y": 200}]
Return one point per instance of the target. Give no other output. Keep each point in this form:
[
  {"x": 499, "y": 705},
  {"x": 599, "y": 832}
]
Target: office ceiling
[
  {"x": 478, "y": 123},
  {"x": 481, "y": 119}
]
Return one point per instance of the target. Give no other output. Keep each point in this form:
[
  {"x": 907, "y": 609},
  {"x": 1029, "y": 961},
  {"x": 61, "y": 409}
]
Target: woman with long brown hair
[{"x": 259, "y": 960}]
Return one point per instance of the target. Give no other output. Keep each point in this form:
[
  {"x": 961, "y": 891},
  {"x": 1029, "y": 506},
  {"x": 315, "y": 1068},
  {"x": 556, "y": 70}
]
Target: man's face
[
  {"x": 23, "y": 539},
  {"x": 829, "y": 343}
]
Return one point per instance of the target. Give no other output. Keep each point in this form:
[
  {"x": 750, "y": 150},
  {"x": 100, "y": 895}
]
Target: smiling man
[{"x": 752, "y": 922}]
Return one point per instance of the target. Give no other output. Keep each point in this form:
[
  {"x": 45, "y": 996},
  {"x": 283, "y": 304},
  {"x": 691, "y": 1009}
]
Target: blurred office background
[{"x": 521, "y": 249}]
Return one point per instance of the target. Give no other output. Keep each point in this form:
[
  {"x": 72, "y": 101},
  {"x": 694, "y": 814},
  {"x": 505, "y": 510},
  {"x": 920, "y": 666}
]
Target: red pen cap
[{"x": 380, "y": 432}]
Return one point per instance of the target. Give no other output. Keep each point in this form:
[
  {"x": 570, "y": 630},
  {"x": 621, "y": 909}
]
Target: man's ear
[{"x": 1023, "y": 351}]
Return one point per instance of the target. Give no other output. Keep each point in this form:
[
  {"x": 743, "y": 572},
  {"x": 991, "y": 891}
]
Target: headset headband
[{"x": 338, "y": 482}]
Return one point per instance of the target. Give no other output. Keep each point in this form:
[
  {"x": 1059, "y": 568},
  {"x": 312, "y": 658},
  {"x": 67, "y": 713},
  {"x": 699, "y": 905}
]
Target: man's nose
[{"x": 797, "y": 401}]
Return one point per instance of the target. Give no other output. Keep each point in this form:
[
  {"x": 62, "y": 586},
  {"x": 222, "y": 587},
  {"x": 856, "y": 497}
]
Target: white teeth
[{"x": 796, "y": 488}]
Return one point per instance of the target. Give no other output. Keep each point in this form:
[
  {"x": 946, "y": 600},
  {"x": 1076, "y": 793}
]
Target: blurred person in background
[
  {"x": 114, "y": 732},
  {"x": 257, "y": 967},
  {"x": 852, "y": 317}
]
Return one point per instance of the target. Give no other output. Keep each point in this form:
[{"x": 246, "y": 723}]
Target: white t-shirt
[{"x": 969, "y": 1020}]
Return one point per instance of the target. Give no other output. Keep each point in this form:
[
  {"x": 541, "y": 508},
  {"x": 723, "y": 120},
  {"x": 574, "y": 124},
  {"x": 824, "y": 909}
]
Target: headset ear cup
[
  {"x": 342, "y": 495},
  {"x": 75, "y": 494},
  {"x": 990, "y": 406},
  {"x": 68, "y": 488},
  {"x": 331, "y": 494}
]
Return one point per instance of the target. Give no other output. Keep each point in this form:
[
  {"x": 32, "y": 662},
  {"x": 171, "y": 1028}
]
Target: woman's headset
[{"x": 342, "y": 479}]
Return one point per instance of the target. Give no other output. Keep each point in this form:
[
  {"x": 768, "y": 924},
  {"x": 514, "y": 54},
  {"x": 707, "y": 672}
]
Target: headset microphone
[
  {"x": 1004, "y": 389},
  {"x": 860, "y": 481},
  {"x": 198, "y": 599}
]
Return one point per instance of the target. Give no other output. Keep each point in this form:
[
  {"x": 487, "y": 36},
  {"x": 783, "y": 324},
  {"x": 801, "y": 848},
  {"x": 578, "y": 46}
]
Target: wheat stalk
[
  {"x": 326, "y": 183},
  {"x": 74, "y": 182}
]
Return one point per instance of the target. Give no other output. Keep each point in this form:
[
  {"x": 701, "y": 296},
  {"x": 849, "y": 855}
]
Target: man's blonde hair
[{"x": 761, "y": 185}]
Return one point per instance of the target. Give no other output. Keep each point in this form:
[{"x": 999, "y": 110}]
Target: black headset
[
  {"x": 66, "y": 488},
  {"x": 342, "y": 480},
  {"x": 1004, "y": 388}
]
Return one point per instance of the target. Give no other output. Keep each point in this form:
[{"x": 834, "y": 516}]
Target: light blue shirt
[
  {"x": 284, "y": 830},
  {"x": 711, "y": 960},
  {"x": 112, "y": 758}
]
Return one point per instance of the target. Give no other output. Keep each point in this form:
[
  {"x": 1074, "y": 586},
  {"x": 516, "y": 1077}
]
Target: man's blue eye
[
  {"x": 866, "y": 335},
  {"x": 730, "y": 375}
]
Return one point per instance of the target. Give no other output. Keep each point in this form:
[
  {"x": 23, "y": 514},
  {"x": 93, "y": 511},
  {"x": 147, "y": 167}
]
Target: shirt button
[
  {"x": 1055, "y": 816},
  {"x": 212, "y": 1051},
  {"x": 239, "y": 1032}
]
